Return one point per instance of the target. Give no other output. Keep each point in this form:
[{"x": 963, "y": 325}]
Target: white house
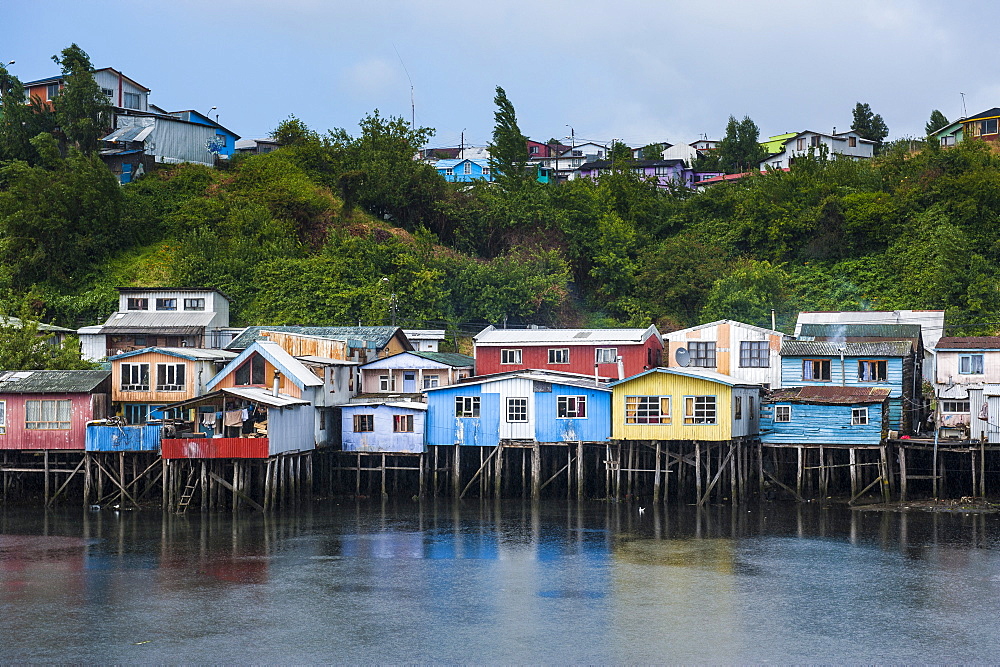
[
  {"x": 842, "y": 144},
  {"x": 748, "y": 353}
]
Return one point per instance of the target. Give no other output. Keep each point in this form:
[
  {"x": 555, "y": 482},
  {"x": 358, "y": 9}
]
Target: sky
[{"x": 639, "y": 71}]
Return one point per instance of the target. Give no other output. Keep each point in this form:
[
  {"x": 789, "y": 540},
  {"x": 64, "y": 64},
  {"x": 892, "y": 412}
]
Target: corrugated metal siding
[
  {"x": 383, "y": 438},
  {"x": 84, "y": 408},
  {"x": 291, "y": 429},
  {"x": 596, "y": 427},
  {"x": 513, "y": 388},
  {"x": 677, "y": 387},
  {"x": 821, "y": 424},
  {"x": 215, "y": 448},
  {"x": 791, "y": 372},
  {"x": 728, "y": 339},
  {"x": 123, "y": 438}
]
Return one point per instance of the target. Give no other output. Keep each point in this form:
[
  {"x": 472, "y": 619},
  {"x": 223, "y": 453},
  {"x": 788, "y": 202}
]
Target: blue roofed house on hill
[{"x": 465, "y": 170}]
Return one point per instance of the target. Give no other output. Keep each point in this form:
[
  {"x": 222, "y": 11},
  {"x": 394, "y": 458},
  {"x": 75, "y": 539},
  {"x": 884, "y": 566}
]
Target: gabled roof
[
  {"x": 607, "y": 164},
  {"x": 255, "y": 394},
  {"x": 989, "y": 113},
  {"x": 437, "y": 358},
  {"x": 190, "y": 353},
  {"x": 698, "y": 373},
  {"x": 60, "y": 77},
  {"x": 51, "y": 382},
  {"x": 378, "y": 336},
  {"x": 888, "y": 331},
  {"x": 735, "y": 323},
  {"x": 493, "y": 336},
  {"x": 452, "y": 163},
  {"x": 829, "y": 395},
  {"x": 450, "y": 358},
  {"x": 289, "y": 366},
  {"x": 552, "y": 377},
  {"x": 803, "y": 348},
  {"x": 17, "y": 323},
  {"x": 969, "y": 343}
]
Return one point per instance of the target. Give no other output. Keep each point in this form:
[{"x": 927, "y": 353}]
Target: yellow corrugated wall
[{"x": 677, "y": 387}]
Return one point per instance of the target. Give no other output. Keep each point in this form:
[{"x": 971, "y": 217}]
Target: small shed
[
  {"x": 825, "y": 416},
  {"x": 49, "y": 410},
  {"x": 382, "y": 427}
]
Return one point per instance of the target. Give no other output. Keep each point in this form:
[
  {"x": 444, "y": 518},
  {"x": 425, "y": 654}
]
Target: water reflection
[{"x": 500, "y": 582}]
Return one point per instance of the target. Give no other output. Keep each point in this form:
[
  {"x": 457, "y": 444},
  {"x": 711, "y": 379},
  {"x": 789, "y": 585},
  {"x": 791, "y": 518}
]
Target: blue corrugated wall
[
  {"x": 820, "y": 425},
  {"x": 102, "y": 438}
]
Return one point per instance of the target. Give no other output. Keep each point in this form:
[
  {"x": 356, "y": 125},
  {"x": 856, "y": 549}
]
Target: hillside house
[
  {"x": 748, "y": 353},
  {"x": 666, "y": 173},
  {"x": 463, "y": 170},
  {"x": 845, "y": 145},
  {"x": 360, "y": 344},
  {"x": 49, "y": 410},
  {"x": 124, "y": 94}
]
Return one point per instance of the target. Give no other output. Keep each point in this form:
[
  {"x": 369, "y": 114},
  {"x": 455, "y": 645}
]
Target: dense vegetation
[{"x": 336, "y": 229}]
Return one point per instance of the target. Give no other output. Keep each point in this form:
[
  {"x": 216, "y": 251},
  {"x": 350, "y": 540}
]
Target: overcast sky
[{"x": 639, "y": 71}]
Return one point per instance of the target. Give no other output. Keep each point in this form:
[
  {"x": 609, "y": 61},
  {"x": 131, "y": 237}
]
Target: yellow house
[{"x": 684, "y": 404}]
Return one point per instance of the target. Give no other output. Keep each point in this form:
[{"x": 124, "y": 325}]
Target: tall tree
[
  {"x": 14, "y": 119},
  {"x": 82, "y": 110},
  {"x": 739, "y": 150},
  {"x": 869, "y": 124},
  {"x": 24, "y": 346},
  {"x": 509, "y": 148},
  {"x": 936, "y": 122}
]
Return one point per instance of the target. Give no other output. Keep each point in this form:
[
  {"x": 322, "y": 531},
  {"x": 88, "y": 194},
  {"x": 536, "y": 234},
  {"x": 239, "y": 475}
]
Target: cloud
[{"x": 373, "y": 78}]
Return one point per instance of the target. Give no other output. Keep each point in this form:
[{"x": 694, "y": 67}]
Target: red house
[
  {"x": 586, "y": 351},
  {"x": 49, "y": 410}
]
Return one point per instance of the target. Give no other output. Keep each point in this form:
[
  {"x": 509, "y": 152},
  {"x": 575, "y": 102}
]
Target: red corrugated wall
[
  {"x": 635, "y": 357},
  {"x": 21, "y": 438},
  {"x": 215, "y": 448}
]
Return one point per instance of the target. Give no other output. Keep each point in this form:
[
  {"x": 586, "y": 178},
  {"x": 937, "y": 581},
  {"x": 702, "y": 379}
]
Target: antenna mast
[{"x": 413, "y": 105}]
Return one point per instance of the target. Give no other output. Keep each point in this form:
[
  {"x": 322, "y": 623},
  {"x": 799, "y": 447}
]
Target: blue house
[
  {"x": 824, "y": 416},
  {"x": 847, "y": 364},
  {"x": 526, "y": 406},
  {"x": 381, "y": 427},
  {"x": 463, "y": 171}
]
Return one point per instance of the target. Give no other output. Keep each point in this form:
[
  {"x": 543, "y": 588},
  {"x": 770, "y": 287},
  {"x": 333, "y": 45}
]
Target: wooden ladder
[{"x": 190, "y": 487}]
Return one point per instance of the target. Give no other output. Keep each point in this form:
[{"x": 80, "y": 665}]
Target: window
[
  {"x": 402, "y": 423},
  {"x": 738, "y": 407},
  {"x": 137, "y": 304},
  {"x": 702, "y": 354},
  {"x": 3, "y": 417},
  {"x": 699, "y": 410},
  {"x": 606, "y": 355},
  {"x": 194, "y": 304},
  {"x": 814, "y": 141},
  {"x": 251, "y": 372},
  {"x": 955, "y": 406},
  {"x": 852, "y": 142},
  {"x": 647, "y": 409},
  {"x": 571, "y": 407},
  {"x": 510, "y": 356},
  {"x": 48, "y": 414},
  {"x": 755, "y": 354},
  {"x": 800, "y": 144},
  {"x": 449, "y": 172},
  {"x": 753, "y": 415},
  {"x": 859, "y": 416},
  {"x": 782, "y": 414},
  {"x": 170, "y": 377},
  {"x": 135, "y": 377},
  {"x": 988, "y": 126},
  {"x": 387, "y": 382},
  {"x": 970, "y": 364},
  {"x": 109, "y": 93},
  {"x": 466, "y": 406},
  {"x": 51, "y": 90},
  {"x": 166, "y": 304},
  {"x": 517, "y": 409},
  {"x": 364, "y": 423},
  {"x": 871, "y": 371},
  {"x": 486, "y": 171},
  {"x": 132, "y": 101},
  {"x": 559, "y": 356},
  {"x": 139, "y": 341},
  {"x": 431, "y": 381},
  {"x": 816, "y": 369},
  {"x": 467, "y": 168},
  {"x": 948, "y": 141}
]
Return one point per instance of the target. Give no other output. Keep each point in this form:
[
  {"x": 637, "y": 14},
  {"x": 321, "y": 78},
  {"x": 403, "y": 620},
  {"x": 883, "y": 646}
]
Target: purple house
[{"x": 666, "y": 172}]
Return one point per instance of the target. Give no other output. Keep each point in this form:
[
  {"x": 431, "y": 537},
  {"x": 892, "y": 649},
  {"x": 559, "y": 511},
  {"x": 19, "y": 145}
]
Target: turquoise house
[
  {"x": 824, "y": 416},
  {"x": 465, "y": 170}
]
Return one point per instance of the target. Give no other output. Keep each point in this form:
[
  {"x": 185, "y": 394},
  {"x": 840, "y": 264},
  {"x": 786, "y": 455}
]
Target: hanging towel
[
  {"x": 246, "y": 414},
  {"x": 234, "y": 418},
  {"x": 208, "y": 419}
]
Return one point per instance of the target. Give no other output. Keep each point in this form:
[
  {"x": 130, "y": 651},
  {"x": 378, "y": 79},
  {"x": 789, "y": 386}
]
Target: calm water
[{"x": 597, "y": 583}]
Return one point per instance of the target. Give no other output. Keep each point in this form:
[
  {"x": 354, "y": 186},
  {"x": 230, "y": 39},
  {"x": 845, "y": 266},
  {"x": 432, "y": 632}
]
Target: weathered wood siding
[
  {"x": 727, "y": 337},
  {"x": 191, "y": 389},
  {"x": 285, "y": 384},
  {"x": 822, "y": 425},
  {"x": 383, "y": 439},
  {"x": 299, "y": 345},
  {"x": 791, "y": 373}
]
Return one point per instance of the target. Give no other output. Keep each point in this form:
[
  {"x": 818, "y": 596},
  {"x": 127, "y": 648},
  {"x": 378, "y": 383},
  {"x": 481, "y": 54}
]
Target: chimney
[
  {"x": 277, "y": 378},
  {"x": 621, "y": 368}
]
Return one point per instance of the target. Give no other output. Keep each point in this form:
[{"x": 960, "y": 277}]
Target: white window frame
[
  {"x": 517, "y": 410},
  {"x": 3, "y": 417},
  {"x": 62, "y": 407},
  {"x": 138, "y": 376},
  {"x": 431, "y": 381},
  {"x": 571, "y": 407},
  {"x": 949, "y": 407},
  {"x": 194, "y": 304},
  {"x": 558, "y": 355},
  {"x": 467, "y": 407},
  {"x": 510, "y": 356},
  {"x": 859, "y": 416},
  {"x": 133, "y": 303},
  {"x": 647, "y": 410},
  {"x": 387, "y": 382},
  {"x": 170, "y": 372},
  {"x": 606, "y": 355},
  {"x": 782, "y": 414},
  {"x": 750, "y": 354},
  {"x": 701, "y": 410}
]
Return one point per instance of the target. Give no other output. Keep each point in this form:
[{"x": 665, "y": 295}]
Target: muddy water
[{"x": 485, "y": 583}]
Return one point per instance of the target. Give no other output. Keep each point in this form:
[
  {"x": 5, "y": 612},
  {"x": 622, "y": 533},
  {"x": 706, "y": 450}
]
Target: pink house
[{"x": 49, "y": 410}]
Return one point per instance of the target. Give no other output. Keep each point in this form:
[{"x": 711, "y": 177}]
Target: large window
[
  {"x": 699, "y": 410},
  {"x": 702, "y": 354},
  {"x": 402, "y": 423},
  {"x": 970, "y": 364},
  {"x": 194, "y": 304},
  {"x": 871, "y": 371},
  {"x": 783, "y": 413},
  {"x": 517, "y": 410},
  {"x": 137, "y": 304},
  {"x": 559, "y": 355},
  {"x": 606, "y": 355},
  {"x": 48, "y": 414},
  {"x": 955, "y": 406},
  {"x": 166, "y": 304},
  {"x": 647, "y": 409},
  {"x": 510, "y": 356},
  {"x": 859, "y": 416},
  {"x": 3, "y": 417},
  {"x": 571, "y": 407},
  {"x": 364, "y": 423},
  {"x": 170, "y": 377},
  {"x": 466, "y": 406},
  {"x": 251, "y": 372},
  {"x": 132, "y": 101},
  {"x": 51, "y": 91},
  {"x": 755, "y": 354},
  {"x": 135, "y": 377},
  {"x": 816, "y": 369}
]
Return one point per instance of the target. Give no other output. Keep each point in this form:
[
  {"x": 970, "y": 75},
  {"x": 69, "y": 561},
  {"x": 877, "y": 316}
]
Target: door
[{"x": 409, "y": 382}]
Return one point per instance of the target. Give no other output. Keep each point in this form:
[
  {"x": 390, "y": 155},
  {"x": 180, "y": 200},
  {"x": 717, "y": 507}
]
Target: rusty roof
[
  {"x": 968, "y": 343},
  {"x": 803, "y": 348},
  {"x": 829, "y": 395}
]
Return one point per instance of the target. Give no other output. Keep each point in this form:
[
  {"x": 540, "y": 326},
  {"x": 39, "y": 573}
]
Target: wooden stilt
[
  {"x": 799, "y": 473},
  {"x": 656, "y": 475},
  {"x": 982, "y": 469},
  {"x": 382, "y": 469},
  {"x": 733, "y": 488},
  {"x": 697, "y": 469},
  {"x": 902, "y": 474},
  {"x": 536, "y": 471},
  {"x": 45, "y": 456},
  {"x": 456, "y": 475},
  {"x": 498, "y": 472},
  {"x": 853, "y": 462}
]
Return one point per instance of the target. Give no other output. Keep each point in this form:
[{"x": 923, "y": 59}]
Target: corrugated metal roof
[
  {"x": 890, "y": 331},
  {"x": 424, "y": 334},
  {"x": 493, "y": 336},
  {"x": 449, "y": 358},
  {"x": 51, "y": 382},
  {"x": 380, "y": 336},
  {"x": 168, "y": 322},
  {"x": 409, "y": 405},
  {"x": 700, "y": 373},
  {"x": 829, "y": 394},
  {"x": 571, "y": 379},
  {"x": 274, "y": 353},
  {"x": 969, "y": 343},
  {"x": 800, "y": 348},
  {"x": 192, "y": 353},
  {"x": 17, "y": 323},
  {"x": 255, "y": 394},
  {"x": 326, "y": 361},
  {"x": 673, "y": 335}
]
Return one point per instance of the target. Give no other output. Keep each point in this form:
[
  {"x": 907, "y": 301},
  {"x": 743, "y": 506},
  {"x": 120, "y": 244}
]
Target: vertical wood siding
[{"x": 676, "y": 387}]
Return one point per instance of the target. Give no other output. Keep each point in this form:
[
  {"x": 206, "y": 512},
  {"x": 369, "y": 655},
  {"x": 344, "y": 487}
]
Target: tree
[
  {"x": 82, "y": 110},
  {"x": 936, "y": 122},
  {"x": 620, "y": 155},
  {"x": 293, "y": 132},
  {"x": 24, "y": 346},
  {"x": 739, "y": 150},
  {"x": 509, "y": 148},
  {"x": 652, "y": 151},
  {"x": 869, "y": 125},
  {"x": 747, "y": 294}
]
